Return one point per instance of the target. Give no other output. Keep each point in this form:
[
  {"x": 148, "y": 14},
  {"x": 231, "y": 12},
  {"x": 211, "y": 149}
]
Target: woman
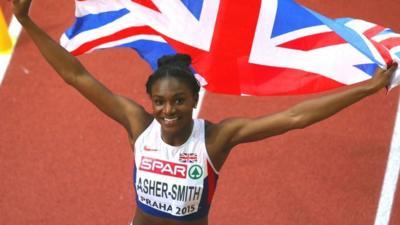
[{"x": 177, "y": 158}]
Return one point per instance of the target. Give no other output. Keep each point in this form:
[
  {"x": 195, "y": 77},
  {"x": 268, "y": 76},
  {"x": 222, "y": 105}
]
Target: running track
[{"x": 62, "y": 162}]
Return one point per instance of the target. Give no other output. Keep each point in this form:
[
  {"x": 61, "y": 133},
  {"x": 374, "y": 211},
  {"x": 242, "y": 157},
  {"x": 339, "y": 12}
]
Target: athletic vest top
[{"x": 174, "y": 182}]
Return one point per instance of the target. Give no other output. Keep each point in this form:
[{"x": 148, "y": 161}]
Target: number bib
[{"x": 175, "y": 182}]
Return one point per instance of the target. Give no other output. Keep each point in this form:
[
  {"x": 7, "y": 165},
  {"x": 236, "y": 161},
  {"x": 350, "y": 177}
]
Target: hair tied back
[{"x": 178, "y": 60}]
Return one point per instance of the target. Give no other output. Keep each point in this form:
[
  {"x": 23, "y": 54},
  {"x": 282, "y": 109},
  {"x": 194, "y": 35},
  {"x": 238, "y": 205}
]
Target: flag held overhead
[{"x": 266, "y": 47}]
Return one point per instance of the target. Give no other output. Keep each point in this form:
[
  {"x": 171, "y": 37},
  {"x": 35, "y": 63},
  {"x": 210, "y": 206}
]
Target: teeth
[{"x": 170, "y": 119}]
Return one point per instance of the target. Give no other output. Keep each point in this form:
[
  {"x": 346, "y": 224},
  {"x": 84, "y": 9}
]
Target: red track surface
[{"x": 62, "y": 162}]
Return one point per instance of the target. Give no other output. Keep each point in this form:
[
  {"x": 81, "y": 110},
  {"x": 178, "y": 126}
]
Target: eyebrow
[{"x": 179, "y": 94}]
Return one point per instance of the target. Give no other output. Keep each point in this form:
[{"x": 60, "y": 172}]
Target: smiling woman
[
  {"x": 178, "y": 146},
  {"x": 177, "y": 158}
]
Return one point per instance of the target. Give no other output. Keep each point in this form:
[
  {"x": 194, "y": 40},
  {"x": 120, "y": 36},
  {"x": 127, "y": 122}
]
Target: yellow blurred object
[{"x": 5, "y": 40}]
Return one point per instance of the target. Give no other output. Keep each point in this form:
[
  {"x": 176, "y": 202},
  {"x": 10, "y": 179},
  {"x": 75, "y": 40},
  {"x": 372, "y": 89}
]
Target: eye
[
  {"x": 157, "y": 102},
  {"x": 179, "y": 101}
]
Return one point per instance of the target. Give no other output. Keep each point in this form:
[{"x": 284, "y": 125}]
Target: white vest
[{"x": 175, "y": 182}]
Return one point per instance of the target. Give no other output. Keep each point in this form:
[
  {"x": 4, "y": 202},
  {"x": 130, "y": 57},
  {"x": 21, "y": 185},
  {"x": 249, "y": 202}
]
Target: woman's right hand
[{"x": 21, "y": 8}]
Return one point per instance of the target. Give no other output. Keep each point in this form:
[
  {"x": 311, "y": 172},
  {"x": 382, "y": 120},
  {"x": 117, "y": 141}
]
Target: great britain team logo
[{"x": 188, "y": 157}]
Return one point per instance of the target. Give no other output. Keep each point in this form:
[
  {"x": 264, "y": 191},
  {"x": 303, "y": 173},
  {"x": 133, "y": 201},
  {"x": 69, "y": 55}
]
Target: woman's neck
[{"x": 177, "y": 138}]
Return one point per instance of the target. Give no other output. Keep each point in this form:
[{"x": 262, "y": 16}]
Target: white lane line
[
  {"x": 14, "y": 30},
  {"x": 391, "y": 177}
]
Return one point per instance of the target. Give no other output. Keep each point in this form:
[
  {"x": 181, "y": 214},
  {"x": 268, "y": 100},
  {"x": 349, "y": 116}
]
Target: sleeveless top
[{"x": 173, "y": 182}]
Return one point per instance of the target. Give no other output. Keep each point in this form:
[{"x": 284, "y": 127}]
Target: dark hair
[{"x": 176, "y": 66}]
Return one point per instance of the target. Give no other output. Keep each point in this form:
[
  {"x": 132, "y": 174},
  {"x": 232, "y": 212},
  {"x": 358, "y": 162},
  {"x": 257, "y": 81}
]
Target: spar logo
[{"x": 163, "y": 167}]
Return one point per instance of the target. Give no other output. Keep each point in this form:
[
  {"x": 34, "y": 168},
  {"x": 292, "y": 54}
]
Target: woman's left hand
[{"x": 382, "y": 77}]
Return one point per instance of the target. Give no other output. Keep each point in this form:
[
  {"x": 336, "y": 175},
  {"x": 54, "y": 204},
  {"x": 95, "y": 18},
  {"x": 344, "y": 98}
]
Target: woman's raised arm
[
  {"x": 128, "y": 113},
  {"x": 232, "y": 132}
]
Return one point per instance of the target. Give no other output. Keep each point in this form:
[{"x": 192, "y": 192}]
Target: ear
[{"x": 196, "y": 99}]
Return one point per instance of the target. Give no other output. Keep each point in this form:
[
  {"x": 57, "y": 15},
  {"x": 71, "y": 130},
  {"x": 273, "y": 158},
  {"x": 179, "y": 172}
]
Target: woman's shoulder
[
  {"x": 223, "y": 123},
  {"x": 212, "y": 128},
  {"x": 207, "y": 123}
]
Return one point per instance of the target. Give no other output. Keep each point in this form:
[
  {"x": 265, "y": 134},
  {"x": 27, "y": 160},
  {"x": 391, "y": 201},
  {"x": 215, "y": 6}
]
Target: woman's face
[{"x": 173, "y": 102}]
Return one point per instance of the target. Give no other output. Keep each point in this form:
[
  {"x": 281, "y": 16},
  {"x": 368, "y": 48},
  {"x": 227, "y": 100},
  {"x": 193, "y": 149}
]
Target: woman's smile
[{"x": 170, "y": 121}]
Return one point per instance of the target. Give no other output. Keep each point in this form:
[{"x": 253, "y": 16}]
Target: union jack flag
[
  {"x": 242, "y": 47},
  {"x": 188, "y": 157}
]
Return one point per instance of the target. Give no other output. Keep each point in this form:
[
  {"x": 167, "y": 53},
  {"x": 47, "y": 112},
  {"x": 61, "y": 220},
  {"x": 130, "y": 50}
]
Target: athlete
[{"x": 177, "y": 159}]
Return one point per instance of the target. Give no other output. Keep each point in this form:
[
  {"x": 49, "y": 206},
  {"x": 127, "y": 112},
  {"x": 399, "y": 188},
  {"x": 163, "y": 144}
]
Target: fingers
[
  {"x": 389, "y": 73},
  {"x": 390, "y": 70},
  {"x": 392, "y": 67}
]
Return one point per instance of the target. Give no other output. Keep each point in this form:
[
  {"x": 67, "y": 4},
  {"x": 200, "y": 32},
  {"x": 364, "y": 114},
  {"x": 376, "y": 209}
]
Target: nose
[{"x": 169, "y": 109}]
